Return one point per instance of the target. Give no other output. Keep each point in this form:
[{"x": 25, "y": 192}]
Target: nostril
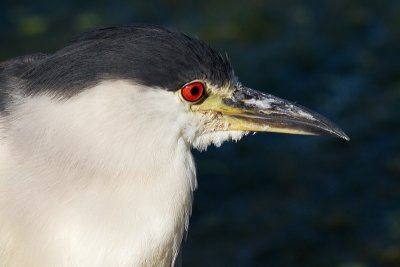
[
  {"x": 239, "y": 95},
  {"x": 242, "y": 95}
]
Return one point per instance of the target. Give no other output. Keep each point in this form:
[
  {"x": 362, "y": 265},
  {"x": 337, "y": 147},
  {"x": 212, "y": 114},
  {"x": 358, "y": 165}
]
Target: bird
[{"x": 96, "y": 144}]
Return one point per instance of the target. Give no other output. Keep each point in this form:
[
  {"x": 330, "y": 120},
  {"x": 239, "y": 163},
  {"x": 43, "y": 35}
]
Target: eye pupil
[
  {"x": 192, "y": 92},
  {"x": 195, "y": 90}
]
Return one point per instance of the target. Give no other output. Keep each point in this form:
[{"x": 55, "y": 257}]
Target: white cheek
[
  {"x": 203, "y": 130},
  {"x": 216, "y": 138}
]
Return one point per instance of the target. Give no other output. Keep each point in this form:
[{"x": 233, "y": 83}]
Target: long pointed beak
[{"x": 249, "y": 110}]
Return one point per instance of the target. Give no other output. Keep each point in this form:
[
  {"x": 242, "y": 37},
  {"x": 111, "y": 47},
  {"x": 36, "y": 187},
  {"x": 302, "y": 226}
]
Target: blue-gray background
[{"x": 276, "y": 200}]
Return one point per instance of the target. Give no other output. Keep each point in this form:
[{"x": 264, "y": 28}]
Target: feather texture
[{"x": 104, "y": 178}]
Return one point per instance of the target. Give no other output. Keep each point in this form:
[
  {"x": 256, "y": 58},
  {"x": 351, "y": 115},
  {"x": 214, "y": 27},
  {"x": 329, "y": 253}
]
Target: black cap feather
[{"x": 150, "y": 55}]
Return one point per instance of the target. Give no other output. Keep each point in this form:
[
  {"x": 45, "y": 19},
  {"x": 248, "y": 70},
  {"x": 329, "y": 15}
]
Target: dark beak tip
[
  {"x": 337, "y": 132},
  {"x": 344, "y": 136}
]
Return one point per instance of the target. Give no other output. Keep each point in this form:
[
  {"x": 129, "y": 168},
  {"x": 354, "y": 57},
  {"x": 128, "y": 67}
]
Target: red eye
[{"x": 192, "y": 92}]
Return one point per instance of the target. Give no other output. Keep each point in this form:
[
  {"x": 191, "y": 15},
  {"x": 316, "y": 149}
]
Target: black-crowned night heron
[{"x": 95, "y": 144}]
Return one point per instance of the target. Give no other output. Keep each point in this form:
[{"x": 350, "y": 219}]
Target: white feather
[{"x": 102, "y": 179}]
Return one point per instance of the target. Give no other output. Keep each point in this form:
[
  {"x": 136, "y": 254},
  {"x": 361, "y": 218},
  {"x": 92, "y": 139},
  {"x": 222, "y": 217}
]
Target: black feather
[
  {"x": 10, "y": 71},
  {"x": 146, "y": 54}
]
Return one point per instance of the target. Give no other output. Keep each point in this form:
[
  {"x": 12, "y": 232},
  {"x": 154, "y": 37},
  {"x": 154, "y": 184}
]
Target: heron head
[{"x": 195, "y": 81}]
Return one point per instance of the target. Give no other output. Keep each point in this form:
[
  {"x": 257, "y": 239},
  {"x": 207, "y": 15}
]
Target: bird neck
[{"x": 102, "y": 168}]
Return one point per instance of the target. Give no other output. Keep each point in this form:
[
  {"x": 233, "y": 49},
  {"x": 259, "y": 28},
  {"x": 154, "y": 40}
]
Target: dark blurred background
[{"x": 276, "y": 200}]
